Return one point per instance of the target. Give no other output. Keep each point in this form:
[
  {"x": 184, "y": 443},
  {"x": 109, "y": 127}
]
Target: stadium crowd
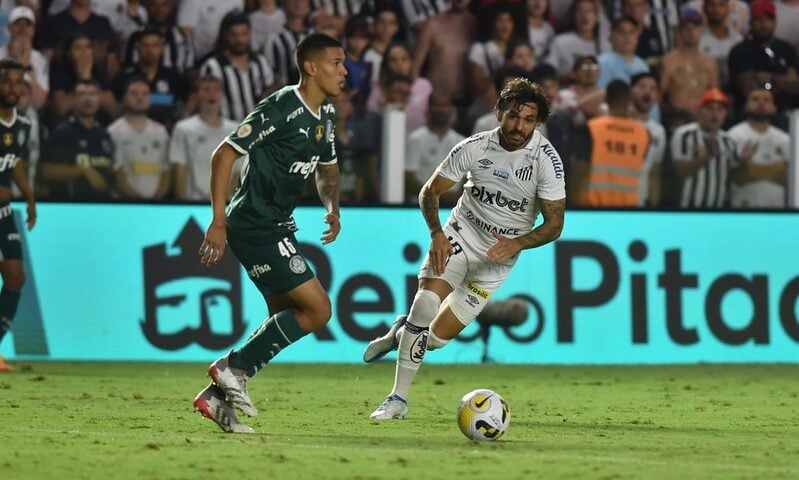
[{"x": 659, "y": 103}]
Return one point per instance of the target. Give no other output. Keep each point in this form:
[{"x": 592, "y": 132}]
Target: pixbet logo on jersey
[{"x": 499, "y": 199}]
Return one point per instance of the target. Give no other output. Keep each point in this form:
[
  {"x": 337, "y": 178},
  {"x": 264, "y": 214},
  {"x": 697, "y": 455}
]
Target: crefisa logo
[{"x": 186, "y": 302}]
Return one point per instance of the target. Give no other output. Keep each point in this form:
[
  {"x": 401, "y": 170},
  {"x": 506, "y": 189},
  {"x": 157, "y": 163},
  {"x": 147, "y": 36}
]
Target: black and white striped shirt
[
  {"x": 708, "y": 187},
  {"x": 243, "y": 89},
  {"x": 339, "y": 8},
  {"x": 279, "y": 51},
  {"x": 420, "y": 10}
]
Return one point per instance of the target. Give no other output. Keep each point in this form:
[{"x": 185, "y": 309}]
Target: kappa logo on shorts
[
  {"x": 472, "y": 300},
  {"x": 297, "y": 264}
]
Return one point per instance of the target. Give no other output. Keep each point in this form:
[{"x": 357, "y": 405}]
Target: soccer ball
[{"x": 483, "y": 415}]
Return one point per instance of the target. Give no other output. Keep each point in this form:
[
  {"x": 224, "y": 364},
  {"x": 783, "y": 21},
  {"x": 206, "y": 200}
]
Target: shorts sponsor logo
[
  {"x": 477, "y": 290},
  {"x": 297, "y": 264},
  {"x": 419, "y": 347},
  {"x": 258, "y": 270},
  {"x": 13, "y": 237},
  {"x": 244, "y": 130},
  {"x": 472, "y": 300},
  {"x": 501, "y": 173}
]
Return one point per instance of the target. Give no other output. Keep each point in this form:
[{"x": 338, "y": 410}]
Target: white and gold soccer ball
[{"x": 483, "y": 415}]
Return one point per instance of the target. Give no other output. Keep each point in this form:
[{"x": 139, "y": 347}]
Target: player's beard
[{"x": 9, "y": 101}]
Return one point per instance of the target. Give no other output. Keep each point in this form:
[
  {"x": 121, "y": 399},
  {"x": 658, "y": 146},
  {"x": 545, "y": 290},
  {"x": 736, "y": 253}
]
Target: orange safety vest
[{"x": 617, "y": 158}]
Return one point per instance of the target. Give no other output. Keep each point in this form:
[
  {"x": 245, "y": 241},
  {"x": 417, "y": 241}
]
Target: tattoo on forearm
[
  {"x": 327, "y": 180},
  {"x": 553, "y": 212},
  {"x": 429, "y": 206}
]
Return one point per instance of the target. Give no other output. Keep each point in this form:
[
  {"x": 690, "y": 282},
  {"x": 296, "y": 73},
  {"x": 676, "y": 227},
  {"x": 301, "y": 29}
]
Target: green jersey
[
  {"x": 284, "y": 141},
  {"x": 13, "y": 147}
]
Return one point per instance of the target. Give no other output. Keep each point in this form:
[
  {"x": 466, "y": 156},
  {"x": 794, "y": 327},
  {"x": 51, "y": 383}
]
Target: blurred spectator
[
  {"x": 125, "y": 16},
  {"x": 429, "y": 145},
  {"x": 141, "y": 167},
  {"x": 485, "y": 58},
  {"x": 612, "y": 158},
  {"x": 644, "y": 94},
  {"x": 365, "y": 142},
  {"x": 442, "y": 48},
  {"x": 280, "y": 46},
  {"x": 267, "y": 20},
  {"x": 386, "y": 25},
  {"x": 703, "y": 154},
  {"x": 77, "y": 65},
  {"x": 246, "y": 76},
  {"x": 759, "y": 176},
  {"x": 520, "y": 54},
  {"x": 718, "y": 38},
  {"x": 540, "y": 31},
  {"x": 166, "y": 84},
  {"x": 418, "y": 11},
  {"x": 194, "y": 140},
  {"x": 581, "y": 39},
  {"x": 621, "y": 63},
  {"x": 787, "y": 15},
  {"x": 584, "y": 99},
  {"x": 352, "y": 181},
  {"x": 21, "y": 29},
  {"x": 201, "y": 21},
  {"x": 502, "y": 76},
  {"x": 738, "y": 19},
  {"x": 357, "y": 35},
  {"x": 77, "y": 20},
  {"x": 763, "y": 58},
  {"x": 178, "y": 48},
  {"x": 338, "y": 10},
  {"x": 687, "y": 73},
  {"x": 324, "y": 23},
  {"x": 25, "y": 107},
  {"x": 77, "y": 159},
  {"x": 397, "y": 62},
  {"x": 658, "y": 19}
]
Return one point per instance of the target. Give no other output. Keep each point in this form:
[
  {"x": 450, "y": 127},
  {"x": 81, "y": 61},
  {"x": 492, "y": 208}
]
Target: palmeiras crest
[{"x": 186, "y": 302}]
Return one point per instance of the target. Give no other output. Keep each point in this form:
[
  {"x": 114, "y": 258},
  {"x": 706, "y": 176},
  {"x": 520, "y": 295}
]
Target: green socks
[
  {"x": 8, "y": 308},
  {"x": 275, "y": 334}
]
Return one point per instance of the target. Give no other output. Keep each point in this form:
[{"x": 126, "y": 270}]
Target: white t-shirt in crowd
[
  {"x": 787, "y": 20},
  {"x": 205, "y": 17},
  {"x": 262, "y": 25},
  {"x": 773, "y": 146},
  {"x": 567, "y": 47},
  {"x": 425, "y": 150},
  {"x": 540, "y": 38},
  {"x": 719, "y": 49},
  {"x": 502, "y": 188},
  {"x": 193, "y": 142},
  {"x": 141, "y": 154}
]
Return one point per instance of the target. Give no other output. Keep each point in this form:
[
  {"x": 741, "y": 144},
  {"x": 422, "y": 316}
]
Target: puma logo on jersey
[{"x": 304, "y": 131}]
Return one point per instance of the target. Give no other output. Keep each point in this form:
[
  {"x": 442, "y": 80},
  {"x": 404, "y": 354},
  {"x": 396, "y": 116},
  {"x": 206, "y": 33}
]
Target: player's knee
[
  {"x": 314, "y": 317},
  {"x": 14, "y": 281},
  {"x": 425, "y": 307}
]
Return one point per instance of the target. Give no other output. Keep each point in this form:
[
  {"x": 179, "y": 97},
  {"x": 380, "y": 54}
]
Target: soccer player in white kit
[{"x": 512, "y": 174}]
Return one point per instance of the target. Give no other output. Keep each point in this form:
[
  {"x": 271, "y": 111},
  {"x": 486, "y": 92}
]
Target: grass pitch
[{"x": 120, "y": 420}]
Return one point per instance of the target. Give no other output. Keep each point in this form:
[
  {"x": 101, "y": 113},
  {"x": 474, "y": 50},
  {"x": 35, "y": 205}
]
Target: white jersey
[
  {"x": 654, "y": 155},
  {"x": 142, "y": 155},
  {"x": 502, "y": 188},
  {"x": 193, "y": 142},
  {"x": 773, "y": 146}
]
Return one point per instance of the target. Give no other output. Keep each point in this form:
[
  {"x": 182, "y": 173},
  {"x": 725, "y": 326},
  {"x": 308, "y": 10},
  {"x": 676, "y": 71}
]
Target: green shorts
[{"x": 273, "y": 261}]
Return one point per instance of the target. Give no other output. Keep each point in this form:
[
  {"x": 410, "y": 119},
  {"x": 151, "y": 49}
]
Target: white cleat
[
  {"x": 210, "y": 402},
  {"x": 233, "y": 382},
  {"x": 393, "y": 408},
  {"x": 380, "y": 346}
]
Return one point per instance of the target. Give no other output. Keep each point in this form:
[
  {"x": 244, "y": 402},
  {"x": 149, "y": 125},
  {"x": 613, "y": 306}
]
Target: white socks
[{"x": 413, "y": 340}]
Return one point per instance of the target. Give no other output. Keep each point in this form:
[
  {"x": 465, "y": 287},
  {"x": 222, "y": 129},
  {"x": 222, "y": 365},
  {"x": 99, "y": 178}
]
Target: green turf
[{"x": 120, "y": 420}]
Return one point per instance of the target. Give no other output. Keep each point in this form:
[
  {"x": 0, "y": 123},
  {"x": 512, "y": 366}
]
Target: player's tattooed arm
[
  {"x": 440, "y": 247},
  {"x": 549, "y": 230},
  {"x": 327, "y": 180}
]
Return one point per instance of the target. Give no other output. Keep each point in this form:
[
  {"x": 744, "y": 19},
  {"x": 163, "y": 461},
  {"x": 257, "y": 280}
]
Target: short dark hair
[
  {"x": 516, "y": 43},
  {"x": 205, "y": 79},
  {"x": 232, "y": 19},
  {"x": 311, "y": 46},
  {"x": 134, "y": 79},
  {"x": 617, "y": 91},
  {"x": 357, "y": 26},
  {"x": 520, "y": 91},
  {"x": 86, "y": 81},
  {"x": 622, "y": 20},
  {"x": 640, "y": 76},
  {"x": 582, "y": 60},
  {"x": 10, "y": 64}
]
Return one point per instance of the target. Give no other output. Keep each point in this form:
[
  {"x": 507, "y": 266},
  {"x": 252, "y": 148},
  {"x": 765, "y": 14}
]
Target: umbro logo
[{"x": 485, "y": 163}]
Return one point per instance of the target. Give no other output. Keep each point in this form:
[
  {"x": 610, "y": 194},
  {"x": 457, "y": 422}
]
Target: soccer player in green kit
[
  {"x": 14, "y": 134},
  {"x": 288, "y": 136}
]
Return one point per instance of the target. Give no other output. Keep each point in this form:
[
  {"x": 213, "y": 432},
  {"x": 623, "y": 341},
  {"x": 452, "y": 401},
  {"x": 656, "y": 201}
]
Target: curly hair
[{"x": 520, "y": 91}]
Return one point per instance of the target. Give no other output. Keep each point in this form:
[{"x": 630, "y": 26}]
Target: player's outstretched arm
[
  {"x": 21, "y": 179},
  {"x": 213, "y": 246},
  {"x": 327, "y": 180},
  {"x": 549, "y": 230}
]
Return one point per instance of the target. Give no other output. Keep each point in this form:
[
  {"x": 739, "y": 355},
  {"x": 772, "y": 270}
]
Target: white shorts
[{"x": 472, "y": 276}]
